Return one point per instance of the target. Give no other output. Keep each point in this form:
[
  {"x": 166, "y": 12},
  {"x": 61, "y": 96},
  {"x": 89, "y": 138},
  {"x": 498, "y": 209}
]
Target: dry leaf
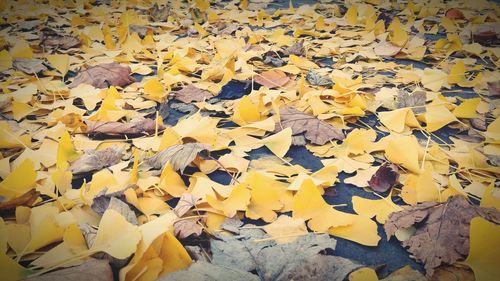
[
  {"x": 140, "y": 126},
  {"x": 384, "y": 178},
  {"x": 443, "y": 235},
  {"x": 318, "y": 80},
  {"x": 272, "y": 78},
  {"x": 51, "y": 40},
  {"x": 186, "y": 202},
  {"x": 185, "y": 228},
  {"x": 95, "y": 160},
  {"x": 93, "y": 269},
  {"x": 192, "y": 93},
  {"x": 178, "y": 156},
  {"x": 104, "y": 75},
  {"x": 27, "y": 199},
  {"x": 317, "y": 131},
  {"x": 29, "y": 66}
]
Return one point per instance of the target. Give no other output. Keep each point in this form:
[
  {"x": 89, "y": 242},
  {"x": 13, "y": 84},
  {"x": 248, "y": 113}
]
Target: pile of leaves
[{"x": 152, "y": 140}]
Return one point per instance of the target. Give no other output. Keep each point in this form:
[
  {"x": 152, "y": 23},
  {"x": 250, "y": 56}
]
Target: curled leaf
[
  {"x": 95, "y": 160},
  {"x": 179, "y": 156},
  {"x": 384, "y": 178},
  {"x": 104, "y": 75},
  {"x": 140, "y": 126}
]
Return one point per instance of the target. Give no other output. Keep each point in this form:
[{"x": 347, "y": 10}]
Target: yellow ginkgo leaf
[
  {"x": 238, "y": 200},
  {"x": 397, "y": 120},
  {"x": 437, "y": 116},
  {"x": 491, "y": 197},
  {"x": 359, "y": 141},
  {"x": 21, "y": 49},
  {"x": 361, "y": 230},
  {"x": 467, "y": 109},
  {"x": 154, "y": 90},
  {"x": 279, "y": 143},
  {"x": 5, "y": 60},
  {"x": 363, "y": 274},
  {"x": 59, "y": 62},
  {"x": 303, "y": 63},
  {"x": 434, "y": 79},
  {"x": 20, "y": 181},
  {"x": 11, "y": 139},
  {"x": 403, "y": 150},
  {"x": 119, "y": 244},
  {"x": 351, "y": 16},
  {"x": 493, "y": 130},
  {"x": 11, "y": 270},
  {"x": 420, "y": 188},
  {"x": 21, "y": 110},
  {"x": 483, "y": 253},
  {"x": 286, "y": 229},
  {"x": 399, "y": 36},
  {"x": 65, "y": 151},
  {"x": 43, "y": 227},
  {"x": 378, "y": 208},
  {"x": 171, "y": 182}
]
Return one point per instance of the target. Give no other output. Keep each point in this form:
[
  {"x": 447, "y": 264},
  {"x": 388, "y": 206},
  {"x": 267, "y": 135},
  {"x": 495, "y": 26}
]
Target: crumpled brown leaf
[
  {"x": 95, "y": 160},
  {"x": 454, "y": 14},
  {"x": 29, "y": 66},
  {"x": 296, "y": 49},
  {"x": 52, "y": 40},
  {"x": 103, "y": 202},
  {"x": 318, "y": 80},
  {"x": 185, "y": 228},
  {"x": 179, "y": 156},
  {"x": 192, "y": 93},
  {"x": 317, "y": 131},
  {"x": 494, "y": 88},
  {"x": 442, "y": 235},
  {"x": 186, "y": 202},
  {"x": 272, "y": 78},
  {"x": 138, "y": 126},
  {"x": 104, "y": 75},
  {"x": 453, "y": 273},
  {"x": 486, "y": 33},
  {"x": 384, "y": 178},
  {"x": 159, "y": 14},
  {"x": 414, "y": 100},
  {"x": 27, "y": 199},
  {"x": 93, "y": 269}
]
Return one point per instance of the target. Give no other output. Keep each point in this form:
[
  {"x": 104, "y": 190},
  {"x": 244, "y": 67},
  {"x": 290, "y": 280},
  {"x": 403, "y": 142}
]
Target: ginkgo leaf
[
  {"x": 483, "y": 255},
  {"x": 238, "y": 200},
  {"x": 398, "y": 119},
  {"x": 59, "y": 62},
  {"x": 403, "y": 150},
  {"x": 286, "y": 229},
  {"x": 179, "y": 156},
  {"x": 302, "y": 62},
  {"x": 65, "y": 151},
  {"x": 467, "y": 109},
  {"x": 379, "y": 208},
  {"x": 171, "y": 182},
  {"x": 21, "y": 110},
  {"x": 19, "y": 181},
  {"x": 279, "y": 143},
  {"x": 437, "y": 116},
  {"x": 119, "y": 244},
  {"x": 11, "y": 270},
  {"x": 154, "y": 90}
]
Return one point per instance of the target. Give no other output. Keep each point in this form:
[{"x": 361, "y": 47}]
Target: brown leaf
[
  {"x": 317, "y": 131},
  {"x": 296, "y": 49},
  {"x": 29, "y": 66},
  {"x": 52, "y": 40},
  {"x": 104, "y": 75},
  {"x": 95, "y": 160},
  {"x": 452, "y": 273},
  {"x": 486, "y": 33},
  {"x": 405, "y": 274},
  {"x": 186, "y": 202},
  {"x": 442, "y": 235},
  {"x": 494, "y": 88},
  {"x": 192, "y": 93},
  {"x": 272, "y": 78},
  {"x": 384, "y": 178},
  {"x": 93, "y": 269},
  {"x": 27, "y": 199},
  {"x": 317, "y": 80},
  {"x": 414, "y": 100},
  {"x": 159, "y": 14},
  {"x": 454, "y": 14},
  {"x": 179, "y": 156},
  {"x": 185, "y": 228},
  {"x": 140, "y": 126}
]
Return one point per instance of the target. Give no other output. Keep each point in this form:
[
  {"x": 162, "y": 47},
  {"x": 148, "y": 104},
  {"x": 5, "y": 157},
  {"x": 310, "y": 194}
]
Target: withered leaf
[
  {"x": 452, "y": 273},
  {"x": 29, "y": 66},
  {"x": 405, "y": 274},
  {"x": 318, "y": 80},
  {"x": 185, "y": 228},
  {"x": 104, "y": 75},
  {"x": 442, "y": 235},
  {"x": 138, "y": 126},
  {"x": 317, "y": 131},
  {"x": 296, "y": 49},
  {"x": 186, "y": 202},
  {"x": 52, "y": 40},
  {"x": 27, "y": 199},
  {"x": 103, "y": 202},
  {"x": 272, "y": 78},
  {"x": 93, "y": 269},
  {"x": 486, "y": 33},
  {"x": 158, "y": 13},
  {"x": 192, "y": 93},
  {"x": 494, "y": 88},
  {"x": 205, "y": 271},
  {"x": 414, "y": 100},
  {"x": 272, "y": 58},
  {"x": 384, "y": 178},
  {"x": 179, "y": 156},
  {"x": 454, "y": 14},
  {"x": 95, "y": 160}
]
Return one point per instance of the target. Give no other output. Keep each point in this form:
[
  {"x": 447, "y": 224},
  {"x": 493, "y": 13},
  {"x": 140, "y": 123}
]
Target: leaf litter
[{"x": 93, "y": 153}]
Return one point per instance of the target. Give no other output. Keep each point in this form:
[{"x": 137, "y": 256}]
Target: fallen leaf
[
  {"x": 95, "y": 160},
  {"x": 318, "y": 80},
  {"x": 286, "y": 229},
  {"x": 104, "y": 76},
  {"x": 186, "y": 202},
  {"x": 27, "y": 199},
  {"x": 51, "y": 40},
  {"x": 139, "y": 126},
  {"x": 192, "y": 93},
  {"x": 93, "y": 269},
  {"x": 453, "y": 273},
  {"x": 272, "y": 78},
  {"x": 483, "y": 255},
  {"x": 179, "y": 156},
  {"x": 454, "y": 14},
  {"x": 185, "y": 228},
  {"x": 384, "y": 178},
  {"x": 317, "y": 131},
  {"x": 202, "y": 270},
  {"x": 386, "y": 49},
  {"x": 379, "y": 208},
  {"x": 442, "y": 237},
  {"x": 29, "y": 66},
  {"x": 403, "y": 150},
  {"x": 415, "y": 101}
]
